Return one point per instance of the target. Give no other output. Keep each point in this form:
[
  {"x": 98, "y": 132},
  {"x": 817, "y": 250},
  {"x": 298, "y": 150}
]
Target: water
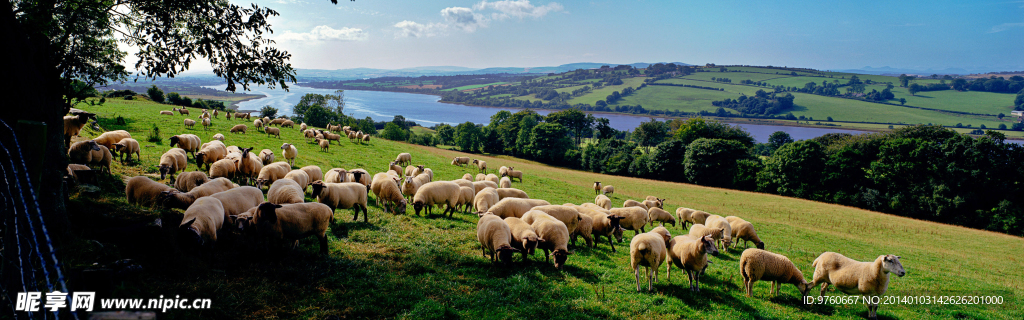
[{"x": 427, "y": 111}]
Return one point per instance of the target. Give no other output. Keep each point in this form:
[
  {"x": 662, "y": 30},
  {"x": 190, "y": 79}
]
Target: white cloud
[
  {"x": 463, "y": 18},
  {"x": 517, "y": 9},
  {"x": 418, "y": 30},
  {"x": 1006, "y": 26},
  {"x": 325, "y": 33}
]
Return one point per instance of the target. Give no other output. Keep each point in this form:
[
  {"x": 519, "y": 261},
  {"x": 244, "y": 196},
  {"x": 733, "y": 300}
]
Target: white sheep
[
  {"x": 603, "y": 225},
  {"x": 294, "y": 221},
  {"x": 759, "y": 265},
  {"x": 649, "y": 250},
  {"x": 683, "y": 214},
  {"x": 413, "y": 171},
  {"x": 502, "y": 171},
  {"x": 495, "y": 237},
  {"x": 512, "y": 173},
  {"x": 515, "y": 207},
  {"x": 505, "y": 182},
  {"x": 272, "y": 131},
  {"x": 302, "y": 127},
  {"x": 660, "y": 215},
  {"x": 188, "y": 142},
  {"x": 634, "y": 203},
  {"x": 466, "y": 196},
  {"x": 359, "y": 175},
  {"x": 171, "y": 162},
  {"x": 460, "y": 161},
  {"x": 258, "y": 124},
  {"x": 201, "y": 221},
  {"x": 467, "y": 184},
  {"x": 190, "y": 180},
  {"x": 869, "y": 279},
  {"x": 206, "y": 123},
  {"x": 597, "y": 187},
  {"x": 744, "y": 230},
  {"x": 654, "y": 203},
  {"x": 73, "y": 125},
  {"x": 585, "y": 228},
  {"x": 492, "y": 178},
  {"x": 481, "y": 177},
  {"x": 467, "y": 177},
  {"x": 480, "y": 164},
  {"x": 314, "y": 172},
  {"x": 698, "y": 217},
  {"x": 437, "y": 193},
  {"x": 480, "y": 185},
  {"x": 224, "y": 168},
  {"x": 608, "y": 189},
  {"x": 249, "y": 166},
  {"x": 238, "y": 200},
  {"x": 166, "y": 112},
  {"x": 690, "y": 254},
  {"x": 142, "y": 190},
  {"x": 219, "y": 137},
  {"x": 189, "y": 123},
  {"x": 336, "y": 175},
  {"x": 700, "y": 230},
  {"x": 484, "y": 199},
  {"x": 511, "y": 193},
  {"x": 182, "y": 200},
  {"x": 211, "y": 152},
  {"x": 266, "y": 156},
  {"x": 238, "y": 128},
  {"x": 389, "y": 194},
  {"x": 717, "y": 221},
  {"x": 324, "y": 144},
  {"x": 300, "y": 177},
  {"x": 343, "y": 195},
  {"x": 272, "y": 172},
  {"x": 289, "y": 152},
  {"x": 524, "y": 237},
  {"x": 634, "y": 218},
  {"x": 567, "y": 215},
  {"x": 109, "y": 138},
  {"x": 556, "y": 239},
  {"x": 285, "y": 191},
  {"x": 89, "y": 153}
]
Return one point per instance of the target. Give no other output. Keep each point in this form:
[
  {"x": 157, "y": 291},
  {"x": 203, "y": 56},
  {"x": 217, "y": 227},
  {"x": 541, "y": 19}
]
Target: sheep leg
[
  {"x": 689, "y": 275},
  {"x": 823, "y": 287},
  {"x": 748, "y": 284},
  {"x": 611, "y": 243},
  {"x": 323, "y": 243},
  {"x": 636, "y": 273}
]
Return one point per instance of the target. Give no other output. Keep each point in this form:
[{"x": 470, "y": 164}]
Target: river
[{"x": 427, "y": 111}]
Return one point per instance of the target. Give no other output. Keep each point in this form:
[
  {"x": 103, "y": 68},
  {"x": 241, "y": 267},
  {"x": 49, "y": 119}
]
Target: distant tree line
[{"x": 762, "y": 103}]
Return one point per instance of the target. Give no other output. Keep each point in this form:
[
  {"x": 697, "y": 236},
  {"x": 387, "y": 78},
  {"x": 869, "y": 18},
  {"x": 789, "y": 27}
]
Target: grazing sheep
[
  {"x": 495, "y": 236},
  {"x": 294, "y": 221},
  {"x": 700, "y": 230},
  {"x": 413, "y": 171},
  {"x": 743, "y": 230},
  {"x": 389, "y": 194},
  {"x": 597, "y": 187},
  {"x": 460, "y": 161},
  {"x": 608, "y": 190},
  {"x": 514, "y": 174},
  {"x": 239, "y": 128},
  {"x": 481, "y": 177},
  {"x": 690, "y": 254},
  {"x": 182, "y": 200},
  {"x": 126, "y": 147},
  {"x": 511, "y": 193},
  {"x": 171, "y": 162},
  {"x": 188, "y": 142},
  {"x": 109, "y": 138},
  {"x": 556, "y": 239},
  {"x": 603, "y": 225},
  {"x": 603, "y": 201},
  {"x": 502, "y": 171},
  {"x": 429, "y": 173},
  {"x": 287, "y": 124},
  {"x": 198, "y": 228},
  {"x": 353, "y": 136},
  {"x": 272, "y": 172},
  {"x": 480, "y": 185},
  {"x": 655, "y": 203},
  {"x": 484, "y": 199},
  {"x": 567, "y": 215},
  {"x": 224, "y": 168},
  {"x": 467, "y": 177},
  {"x": 249, "y": 166},
  {"x": 523, "y": 236},
  {"x": 514, "y": 207},
  {"x": 361, "y": 176},
  {"x": 182, "y": 111},
  {"x": 634, "y": 203},
  {"x": 206, "y": 123},
  {"x": 219, "y": 137},
  {"x": 266, "y": 156},
  {"x": 869, "y": 279},
  {"x": 189, "y": 123},
  {"x": 142, "y": 190},
  {"x": 466, "y": 196},
  {"x": 313, "y": 172},
  {"x": 302, "y": 127},
  {"x": 324, "y": 144},
  {"x": 505, "y": 182},
  {"x": 393, "y": 166},
  {"x": 211, "y": 152},
  {"x": 585, "y": 229},
  {"x": 215, "y": 113},
  {"x": 190, "y": 180},
  {"x": 480, "y": 164},
  {"x": 683, "y": 214},
  {"x": 366, "y": 138},
  {"x": 166, "y": 112},
  {"x": 698, "y": 217},
  {"x": 492, "y": 178},
  {"x": 717, "y": 221},
  {"x": 238, "y": 200},
  {"x": 660, "y": 215},
  {"x": 332, "y": 137},
  {"x": 300, "y": 177},
  {"x": 310, "y": 135},
  {"x": 272, "y": 131},
  {"x": 289, "y": 152},
  {"x": 757, "y": 265},
  {"x": 277, "y": 121},
  {"x": 258, "y": 124},
  {"x": 336, "y": 175},
  {"x": 436, "y": 193},
  {"x": 206, "y": 115},
  {"x": 648, "y": 250},
  {"x": 634, "y": 218},
  {"x": 343, "y": 195},
  {"x": 285, "y": 191}
]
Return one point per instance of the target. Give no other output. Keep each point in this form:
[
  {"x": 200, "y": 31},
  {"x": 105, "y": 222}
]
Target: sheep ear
[
  {"x": 277, "y": 206},
  {"x": 568, "y": 253},
  {"x": 187, "y": 224}
]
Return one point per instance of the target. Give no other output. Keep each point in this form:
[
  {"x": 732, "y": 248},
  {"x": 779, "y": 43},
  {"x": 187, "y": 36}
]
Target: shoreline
[{"x": 234, "y": 105}]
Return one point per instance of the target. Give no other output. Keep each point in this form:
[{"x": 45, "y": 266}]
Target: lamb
[
  {"x": 142, "y": 190},
  {"x": 198, "y": 228},
  {"x": 109, "y": 138},
  {"x": 514, "y": 174},
  {"x": 206, "y": 123},
  {"x": 700, "y": 230},
  {"x": 219, "y": 137},
  {"x": 634, "y": 218},
  {"x": 289, "y": 152},
  {"x": 272, "y": 172},
  {"x": 481, "y": 177},
  {"x": 224, "y": 168},
  {"x": 870, "y": 279},
  {"x": 523, "y": 236},
  {"x": 182, "y": 200},
  {"x": 515, "y": 207},
  {"x": 211, "y": 152},
  {"x": 717, "y": 221},
  {"x": 608, "y": 189},
  {"x": 743, "y": 230},
  {"x": 343, "y": 195},
  {"x": 654, "y": 203},
  {"x": 556, "y": 239},
  {"x": 171, "y": 162},
  {"x": 690, "y": 254},
  {"x": 249, "y": 166},
  {"x": 239, "y": 128},
  {"x": 188, "y": 142},
  {"x": 492, "y": 178},
  {"x": 294, "y": 221},
  {"x": 267, "y": 156},
  {"x": 258, "y": 124},
  {"x": 272, "y": 131},
  {"x": 189, "y": 123},
  {"x": 300, "y": 177},
  {"x": 660, "y": 215},
  {"x": 166, "y": 112},
  {"x": 466, "y": 196},
  {"x": 485, "y": 199},
  {"x": 336, "y": 175},
  {"x": 634, "y": 203},
  {"x": 437, "y": 193},
  {"x": 603, "y": 201},
  {"x": 190, "y": 180},
  {"x": 494, "y": 236},
  {"x": 511, "y": 193},
  {"x": 480, "y": 185},
  {"x": 313, "y": 172},
  {"x": 567, "y": 215},
  {"x": 505, "y": 182},
  {"x": 396, "y": 168},
  {"x": 390, "y": 195},
  {"x": 480, "y": 164},
  {"x": 460, "y": 161},
  {"x": 238, "y": 200},
  {"x": 648, "y": 250},
  {"x": 597, "y": 187},
  {"x": 757, "y": 264},
  {"x": 285, "y": 191},
  {"x": 603, "y": 224},
  {"x": 287, "y": 124}
]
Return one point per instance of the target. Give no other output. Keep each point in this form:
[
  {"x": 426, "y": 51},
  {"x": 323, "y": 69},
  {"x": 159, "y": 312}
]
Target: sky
[{"x": 519, "y": 33}]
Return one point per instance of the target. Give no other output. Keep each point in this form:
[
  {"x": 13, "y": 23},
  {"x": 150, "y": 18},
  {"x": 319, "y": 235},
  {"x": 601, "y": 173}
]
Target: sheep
[
  {"x": 258, "y": 124},
  {"x": 233, "y": 152},
  {"x": 634, "y": 218},
  {"x": 608, "y": 189},
  {"x": 495, "y": 237},
  {"x": 634, "y": 203},
  {"x": 190, "y": 180},
  {"x": 266, "y": 121},
  {"x": 514, "y": 207},
  {"x": 272, "y": 172},
  {"x": 171, "y": 162},
  {"x": 74, "y": 171},
  {"x": 206, "y": 123},
  {"x": 332, "y": 137},
  {"x": 567, "y": 215},
  {"x": 505, "y": 182},
  {"x": 480, "y": 164},
  {"x": 717, "y": 221},
  {"x": 480, "y": 185},
  {"x": 597, "y": 187},
  {"x": 299, "y": 177},
  {"x": 429, "y": 173},
  {"x": 460, "y": 161},
  {"x": 277, "y": 121},
  {"x": 683, "y": 214},
  {"x": 502, "y": 171},
  {"x": 603, "y": 201},
  {"x": 198, "y": 228},
  {"x": 698, "y": 217},
  {"x": 690, "y": 254},
  {"x": 272, "y": 131},
  {"x": 142, "y": 190},
  {"x": 466, "y": 196},
  {"x": 313, "y": 172},
  {"x": 74, "y": 123},
  {"x": 249, "y": 166},
  {"x": 467, "y": 177},
  {"x": 109, "y": 138},
  {"x": 603, "y": 224},
  {"x": 266, "y": 156},
  {"x": 215, "y": 113},
  {"x": 654, "y": 203},
  {"x": 189, "y": 123},
  {"x": 238, "y": 200},
  {"x": 219, "y": 137},
  {"x": 343, "y": 195},
  {"x": 324, "y": 144},
  {"x": 359, "y": 175},
  {"x": 511, "y": 193},
  {"x": 182, "y": 200},
  {"x": 484, "y": 199},
  {"x": 287, "y": 124},
  {"x": 206, "y": 115},
  {"x": 660, "y": 215},
  {"x": 413, "y": 170},
  {"x": 648, "y": 250},
  {"x": 437, "y": 193},
  {"x": 481, "y": 177},
  {"x": 188, "y": 142},
  {"x": 182, "y": 111},
  {"x": 523, "y": 236},
  {"x": 366, "y": 138},
  {"x": 166, "y": 112},
  {"x": 238, "y": 128},
  {"x": 294, "y": 221},
  {"x": 285, "y": 191},
  {"x": 388, "y": 192},
  {"x": 700, "y": 230},
  {"x": 336, "y": 175},
  {"x": 743, "y": 230},
  {"x": 225, "y": 168},
  {"x": 126, "y": 147},
  {"x": 211, "y": 152},
  {"x": 352, "y": 136},
  {"x": 757, "y": 264},
  {"x": 492, "y": 178},
  {"x": 556, "y": 239},
  {"x": 302, "y": 127},
  {"x": 585, "y": 229},
  {"x": 289, "y": 152},
  {"x": 514, "y": 174},
  {"x": 869, "y": 279}
]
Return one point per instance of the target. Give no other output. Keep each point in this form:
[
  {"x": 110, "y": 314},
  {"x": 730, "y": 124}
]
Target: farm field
[
  {"x": 409, "y": 266},
  {"x": 735, "y": 76},
  {"x": 675, "y": 98},
  {"x": 747, "y": 90},
  {"x": 603, "y": 92}
]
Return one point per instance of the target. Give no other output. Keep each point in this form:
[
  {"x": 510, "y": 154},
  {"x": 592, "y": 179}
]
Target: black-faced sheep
[
  {"x": 759, "y": 265},
  {"x": 249, "y": 166},
  {"x": 556, "y": 239},
  {"x": 603, "y": 225},
  {"x": 171, "y": 162},
  {"x": 495, "y": 237},
  {"x": 514, "y": 174},
  {"x": 597, "y": 187},
  {"x": 294, "y": 221},
  {"x": 480, "y": 164},
  {"x": 188, "y": 142},
  {"x": 634, "y": 218},
  {"x": 523, "y": 236},
  {"x": 717, "y": 221},
  {"x": 344, "y": 196},
  {"x": 198, "y": 228},
  {"x": 869, "y": 279}
]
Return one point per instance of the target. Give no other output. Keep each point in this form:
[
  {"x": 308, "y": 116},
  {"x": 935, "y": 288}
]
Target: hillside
[{"x": 409, "y": 266}]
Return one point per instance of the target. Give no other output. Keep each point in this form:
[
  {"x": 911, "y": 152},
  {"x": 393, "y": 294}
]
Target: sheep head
[
  {"x": 560, "y": 256},
  {"x": 418, "y": 205},
  {"x": 760, "y": 245},
  {"x": 709, "y": 245},
  {"x": 356, "y": 175},
  {"x": 530, "y": 243},
  {"x": 804, "y": 287},
  {"x": 261, "y": 181},
  {"x": 892, "y": 264},
  {"x": 318, "y": 186},
  {"x": 164, "y": 171},
  {"x": 245, "y": 152},
  {"x": 617, "y": 232},
  {"x": 400, "y": 206},
  {"x": 175, "y": 199},
  {"x": 93, "y": 145},
  {"x": 188, "y": 236},
  {"x": 505, "y": 254},
  {"x": 175, "y": 140},
  {"x": 265, "y": 219}
]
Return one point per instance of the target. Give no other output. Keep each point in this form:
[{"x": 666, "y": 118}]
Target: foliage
[
  {"x": 794, "y": 170},
  {"x": 268, "y": 112},
  {"x": 394, "y": 132},
  {"x": 611, "y": 156},
  {"x": 154, "y": 135},
  {"x": 155, "y": 94},
  {"x": 712, "y": 162},
  {"x": 548, "y": 142},
  {"x": 576, "y": 121},
  {"x": 445, "y": 134},
  {"x": 468, "y": 137},
  {"x": 650, "y": 133},
  {"x": 666, "y": 161},
  {"x": 696, "y": 128},
  {"x": 423, "y": 139}
]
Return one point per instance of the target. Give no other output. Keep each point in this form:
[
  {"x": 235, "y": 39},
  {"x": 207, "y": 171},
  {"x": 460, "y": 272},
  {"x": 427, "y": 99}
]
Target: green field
[
  {"x": 676, "y": 98},
  {"x": 735, "y": 76},
  {"x": 476, "y": 86},
  {"x": 408, "y": 266},
  {"x": 603, "y": 92}
]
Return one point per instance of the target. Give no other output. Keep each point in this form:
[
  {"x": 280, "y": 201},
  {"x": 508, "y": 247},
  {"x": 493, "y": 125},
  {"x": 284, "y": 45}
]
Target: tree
[
  {"x": 467, "y": 137},
  {"x": 318, "y": 116},
  {"x": 712, "y": 162},
  {"x": 445, "y": 134},
  {"x": 1018, "y": 103},
  {"x": 268, "y": 112},
  {"x": 549, "y": 142},
  {"x": 903, "y": 101},
  {"x": 794, "y": 170},
  {"x": 604, "y": 130},
  {"x": 174, "y": 98},
  {"x": 394, "y": 132},
  {"x": 696, "y": 128},
  {"x": 155, "y": 94},
  {"x": 914, "y": 89},
  {"x": 666, "y": 161},
  {"x": 650, "y": 133},
  {"x": 959, "y": 84},
  {"x": 779, "y": 139},
  {"x": 574, "y": 120}
]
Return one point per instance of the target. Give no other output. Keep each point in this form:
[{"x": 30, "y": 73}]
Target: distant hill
[
  {"x": 306, "y": 75},
  {"x": 897, "y": 71}
]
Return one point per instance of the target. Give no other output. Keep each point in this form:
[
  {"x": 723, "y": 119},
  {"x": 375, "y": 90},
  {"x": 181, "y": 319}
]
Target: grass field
[
  {"x": 735, "y": 76},
  {"x": 603, "y": 92},
  {"x": 408, "y": 266},
  {"x": 475, "y": 86},
  {"x": 676, "y": 98}
]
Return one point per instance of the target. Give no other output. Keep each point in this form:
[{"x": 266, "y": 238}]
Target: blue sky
[{"x": 817, "y": 34}]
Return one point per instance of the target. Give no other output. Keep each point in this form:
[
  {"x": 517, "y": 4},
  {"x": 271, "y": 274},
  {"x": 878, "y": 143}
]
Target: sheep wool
[
  {"x": 854, "y": 277},
  {"x": 647, "y": 250},
  {"x": 294, "y": 221},
  {"x": 515, "y": 207},
  {"x": 344, "y": 196},
  {"x": 744, "y": 230},
  {"x": 142, "y": 190},
  {"x": 634, "y": 218},
  {"x": 495, "y": 237},
  {"x": 171, "y": 162},
  {"x": 717, "y": 221},
  {"x": 190, "y": 180},
  {"x": 603, "y": 201},
  {"x": 285, "y": 191},
  {"x": 660, "y": 215},
  {"x": 760, "y": 265},
  {"x": 505, "y": 182},
  {"x": 634, "y": 203},
  {"x": 511, "y": 193},
  {"x": 238, "y": 200},
  {"x": 556, "y": 239},
  {"x": 484, "y": 199},
  {"x": 437, "y": 193},
  {"x": 198, "y": 228},
  {"x": 523, "y": 236},
  {"x": 690, "y": 254}
]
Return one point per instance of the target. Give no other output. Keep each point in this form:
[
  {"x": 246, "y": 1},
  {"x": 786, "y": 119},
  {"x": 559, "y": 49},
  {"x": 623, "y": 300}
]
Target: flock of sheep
[{"x": 510, "y": 221}]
